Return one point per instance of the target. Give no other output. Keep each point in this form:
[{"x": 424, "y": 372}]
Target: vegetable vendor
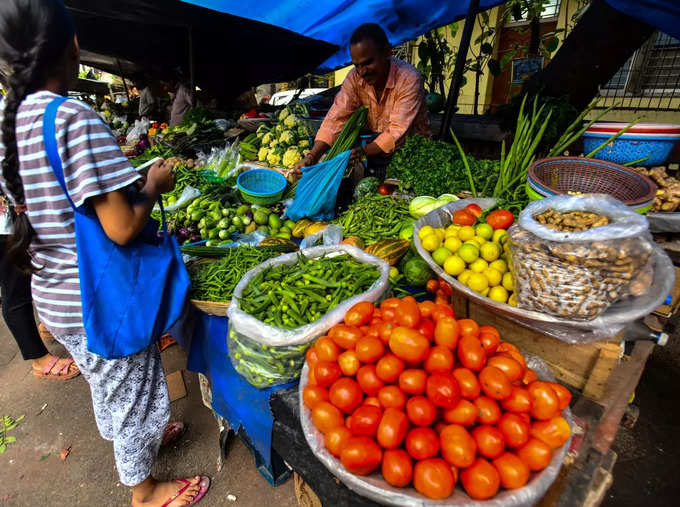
[{"x": 394, "y": 93}]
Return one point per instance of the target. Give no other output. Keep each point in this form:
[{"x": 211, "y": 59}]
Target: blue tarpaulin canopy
[{"x": 662, "y": 14}]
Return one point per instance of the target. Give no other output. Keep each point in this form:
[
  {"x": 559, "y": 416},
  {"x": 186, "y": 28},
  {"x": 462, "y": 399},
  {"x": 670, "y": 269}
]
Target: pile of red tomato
[
  {"x": 499, "y": 219},
  {"x": 432, "y": 400}
]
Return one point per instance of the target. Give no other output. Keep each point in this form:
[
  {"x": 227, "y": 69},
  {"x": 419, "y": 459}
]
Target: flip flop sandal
[
  {"x": 61, "y": 373},
  {"x": 204, "y": 485},
  {"x": 45, "y": 335},
  {"x": 173, "y": 431}
]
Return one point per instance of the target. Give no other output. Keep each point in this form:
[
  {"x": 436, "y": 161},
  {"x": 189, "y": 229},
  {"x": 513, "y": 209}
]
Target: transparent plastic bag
[
  {"x": 375, "y": 488},
  {"x": 285, "y": 348},
  {"x": 187, "y": 196},
  {"x": 140, "y": 127},
  {"x": 605, "y": 326},
  {"x": 329, "y": 236}
]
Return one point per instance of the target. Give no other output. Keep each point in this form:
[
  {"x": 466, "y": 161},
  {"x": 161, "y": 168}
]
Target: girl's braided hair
[{"x": 33, "y": 34}]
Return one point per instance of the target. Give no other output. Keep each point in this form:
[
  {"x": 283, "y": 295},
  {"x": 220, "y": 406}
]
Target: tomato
[
  {"x": 468, "y": 383},
  {"x": 349, "y": 363},
  {"x": 373, "y": 330},
  {"x": 422, "y": 443},
  {"x": 345, "y": 336},
  {"x": 426, "y": 307},
  {"x": 397, "y": 467},
  {"x": 471, "y": 353},
  {"x": 490, "y": 329},
  {"x": 468, "y": 327},
  {"x": 361, "y": 455},
  {"x": 480, "y": 480},
  {"x": 536, "y": 454},
  {"x": 495, "y": 383},
  {"x": 346, "y": 394},
  {"x": 554, "y": 432},
  {"x": 507, "y": 347},
  {"x": 500, "y": 219},
  {"x": 389, "y": 367},
  {"x": 458, "y": 446},
  {"x": 519, "y": 401},
  {"x": 514, "y": 473},
  {"x": 489, "y": 341},
  {"x": 413, "y": 381},
  {"x": 368, "y": 380},
  {"x": 326, "y": 349},
  {"x": 336, "y": 439},
  {"x": 544, "y": 401},
  {"x": 385, "y": 331},
  {"x": 464, "y": 413},
  {"x": 365, "y": 420},
  {"x": 474, "y": 210},
  {"x": 442, "y": 390},
  {"x": 392, "y": 428},
  {"x": 488, "y": 411},
  {"x": 360, "y": 314},
  {"x": 515, "y": 429},
  {"x": 426, "y": 328},
  {"x": 409, "y": 344},
  {"x": 372, "y": 400},
  {"x": 392, "y": 397},
  {"x": 446, "y": 332},
  {"x": 311, "y": 378},
  {"x": 408, "y": 314},
  {"x": 462, "y": 217},
  {"x": 420, "y": 411},
  {"x": 389, "y": 304},
  {"x": 369, "y": 350},
  {"x": 439, "y": 427},
  {"x": 512, "y": 369},
  {"x": 490, "y": 441},
  {"x": 326, "y": 372},
  {"x": 442, "y": 310},
  {"x": 326, "y": 417},
  {"x": 525, "y": 416},
  {"x": 563, "y": 395},
  {"x": 312, "y": 395},
  {"x": 312, "y": 357},
  {"x": 440, "y": 359},
  {"x": 529, "y": 377},
  {"x": 433, "y": 478}
]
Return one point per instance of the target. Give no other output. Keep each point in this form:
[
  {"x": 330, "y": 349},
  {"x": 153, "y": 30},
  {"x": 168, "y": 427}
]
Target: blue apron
[{"x": 130, "y": 294}]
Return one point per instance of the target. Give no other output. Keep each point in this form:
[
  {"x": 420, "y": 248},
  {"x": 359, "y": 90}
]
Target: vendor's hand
[
  {"x": 296, "y": 172},
  {"x": 161, "y": 176},
  {"x": 357, "y": 155}
]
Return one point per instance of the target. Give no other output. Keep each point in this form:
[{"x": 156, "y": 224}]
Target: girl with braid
[{"x": 39, "y": 57}]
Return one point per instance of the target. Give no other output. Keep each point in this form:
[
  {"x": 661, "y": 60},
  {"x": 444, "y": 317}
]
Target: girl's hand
[{"x": 161, "y": 176}]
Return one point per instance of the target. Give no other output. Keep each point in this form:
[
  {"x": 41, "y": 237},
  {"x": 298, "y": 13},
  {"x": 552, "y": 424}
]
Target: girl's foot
[
  {"x": 171, "y": 494},
  {"x": 54, "y": 368}
]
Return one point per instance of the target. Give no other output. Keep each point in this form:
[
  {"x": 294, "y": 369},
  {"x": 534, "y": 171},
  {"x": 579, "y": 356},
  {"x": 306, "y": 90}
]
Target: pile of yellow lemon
[{"x": 476, "y": 256}]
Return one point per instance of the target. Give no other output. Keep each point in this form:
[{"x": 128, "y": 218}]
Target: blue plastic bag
[{"x": 317, "y": 190}]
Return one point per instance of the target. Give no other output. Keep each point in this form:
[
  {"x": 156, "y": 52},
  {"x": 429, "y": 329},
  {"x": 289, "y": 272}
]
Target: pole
[
  {"x": 457, "y": 78},
  {"x": 192, "y": 81},
  {"x": 122, "y": 76}
]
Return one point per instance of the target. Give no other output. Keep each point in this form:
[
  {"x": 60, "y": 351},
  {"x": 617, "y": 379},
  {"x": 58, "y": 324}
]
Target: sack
[
  {"x": 317, "y": 190},
  {"x": 130, "y": 294}
]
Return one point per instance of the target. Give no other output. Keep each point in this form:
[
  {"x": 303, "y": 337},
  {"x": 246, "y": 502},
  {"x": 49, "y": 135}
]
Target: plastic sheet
[
  {"x": 664, "y": 222},
  {"x": 375, "y": 488},
  {"x": 613, "y": 320}
]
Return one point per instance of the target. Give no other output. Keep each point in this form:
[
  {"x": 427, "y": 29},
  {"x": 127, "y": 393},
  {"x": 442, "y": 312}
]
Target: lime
[
  {"x": 260, "y": 217},
  {"x": 512, "y": 300},
  {"x": 477, "y": 282},
  {"x": 431, "y": 242},
  {"x": 485, "y": 231},
  {"x": 454, "y": 265},
  {"x": 490, "y": 251},
  {"x": 441, "y": 233},
  {"x": 499, "y": 265},
  {"x": 494, "y": 276},
  {"x": 452, "y": 231},
  {"x": 464, "y": 276},
  {"x": 466, "y": 232},
  {"x": 508, "y": 282},
  {"x": 479, "y": 240},
  {"x": 290, "y": 224},
  {"x": 472, "y": 242},
  {"x": 441, "y": 254},
  {"x": 498, "y": 234},
  {"x": 469, "y": 253},
  {"x": 425, "y": 230},
  {"x": 478, "y": 266},
  {"x": 274, "y": 221},
  {"x": 452, "y": 243},
  {"x": 498, "y": 294}
]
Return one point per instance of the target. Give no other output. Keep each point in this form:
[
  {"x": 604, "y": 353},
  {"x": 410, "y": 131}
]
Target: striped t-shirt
[{"x": 93, "y": 165}]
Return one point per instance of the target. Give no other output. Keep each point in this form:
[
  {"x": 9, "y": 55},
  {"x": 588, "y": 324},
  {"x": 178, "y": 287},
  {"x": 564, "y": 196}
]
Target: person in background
[
  {"x": 130, "y": 400},
  {"x": 181, "y": 102},
  {"x": 148, "y": 104},
  {"x": 394, "y": 93}
]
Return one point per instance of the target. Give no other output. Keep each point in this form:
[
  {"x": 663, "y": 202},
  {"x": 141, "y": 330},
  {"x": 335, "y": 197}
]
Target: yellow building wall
[{"x": 340, "y": 74}]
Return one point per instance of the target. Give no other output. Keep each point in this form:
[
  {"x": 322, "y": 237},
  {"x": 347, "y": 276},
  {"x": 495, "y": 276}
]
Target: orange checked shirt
[{"x": 400, "y": 112}]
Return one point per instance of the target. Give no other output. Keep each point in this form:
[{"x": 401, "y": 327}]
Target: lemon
[
  {"x": 485, "y": 292},
  {"x": 512, "y": 300},
  {"x": 466, "y": 232},
  {"x": 498, "y": 294},
  {"x": 425, "y": 230},
  {"x": 498, "y": 234},
  {"x": 479, "y": 240},
  {"x": 478, "y": 266},
  {"x": 477, "y": 282},
  {"x": 472, "y": 242},
  {"x": 490, "y": 251},
  {"x": 499, "y": 265},
  {"x": 464, "y": 276},
  {"x": 508, "y": 282},
  {"x": 441, "y": 254},
  {"x": 454, "y": 265},
  {"x": 494, "y": 276},
  {"x": 441, "y": 233},
  {"x": 431, "y": 242},
  {"x": 452, "y": 243},
  {"x": 468, "y": 252},
  {"x": 485, "y": 231},
  {"x": 452, "y": 231}
]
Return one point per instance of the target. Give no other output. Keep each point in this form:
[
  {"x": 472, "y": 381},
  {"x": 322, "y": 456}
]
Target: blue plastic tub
[{"x": 630, "y": 147}]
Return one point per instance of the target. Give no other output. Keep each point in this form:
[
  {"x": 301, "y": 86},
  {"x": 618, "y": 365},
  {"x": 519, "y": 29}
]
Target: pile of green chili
[{"x": 374, "y": 217}]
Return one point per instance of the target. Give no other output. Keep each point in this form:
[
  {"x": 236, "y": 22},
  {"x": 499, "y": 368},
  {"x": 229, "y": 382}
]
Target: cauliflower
[
  {"x": 303, "y": 144},
  {"x": 305, "y": 152},
  {"x": 273, "y": 158},
  {"x": 285, "y": 112},
  {"x": 303, "y": 131},
  {"x": 291, "y": 157},
  {"x": 279, "y": 128},
  {"x": 267, "y": 138},
  {"x": 291, "y": 121},
  {"x": 274, "y": 143},
  {"x": 262, "y": 130},
  {"x": 287, "y": 137},
  {"x": 262, "y": 154}
]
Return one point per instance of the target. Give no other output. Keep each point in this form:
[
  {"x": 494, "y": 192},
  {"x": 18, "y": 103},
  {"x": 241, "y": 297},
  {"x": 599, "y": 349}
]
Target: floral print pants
[{"x": 130, "y": 401}]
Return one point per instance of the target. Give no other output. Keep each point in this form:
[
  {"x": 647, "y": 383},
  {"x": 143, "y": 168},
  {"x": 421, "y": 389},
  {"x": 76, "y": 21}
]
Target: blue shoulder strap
[{"x": 50, "y": 140}]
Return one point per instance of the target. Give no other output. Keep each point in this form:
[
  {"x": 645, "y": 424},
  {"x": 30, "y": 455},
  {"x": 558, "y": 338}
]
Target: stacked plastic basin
[{"x": 653, "y": 141}]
